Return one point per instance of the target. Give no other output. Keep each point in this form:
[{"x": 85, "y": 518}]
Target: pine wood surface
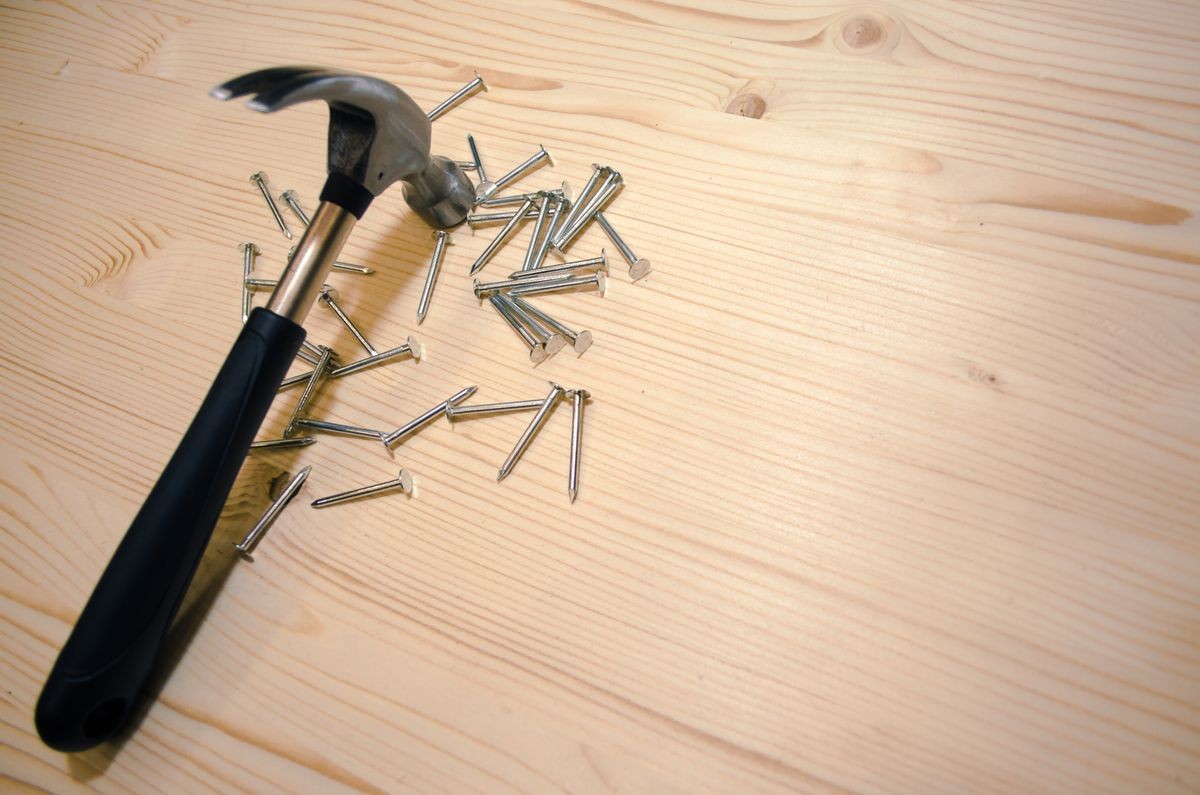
[{"x": 890, "y": 479}]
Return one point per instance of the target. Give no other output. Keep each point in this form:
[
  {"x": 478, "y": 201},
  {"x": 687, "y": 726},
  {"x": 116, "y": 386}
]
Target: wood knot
[
  {"x": 861, "y": 32},
  {"x": 749, "y": 104}
]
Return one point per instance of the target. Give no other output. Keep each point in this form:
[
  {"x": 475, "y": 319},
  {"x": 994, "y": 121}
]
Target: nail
[
  {"x": 539, "y": 227},
  {"x": 289, "y": 198},
  {"x": 539, "y": 287},
  {"x": 260, "y": 179},
  {"x": 484, "y": 289},
  {"x": 310, "y": 389},
  {"x": 477, "y": 220},
  {"x": 345, "y": 267},
  {"x": 505, "y": 233},
  {"x": 638, "y": 267},
  {"x": 599, "y": 172},
  {"x": 580, "y": 341},
  {"x": 458, "y": 97},
  {"x": 608, "y": 188},
  {"x": 475, "y": 158},
  {"x": 487, "y": 409},
  {"x": 599, "y": 263},
  {"x": 264, "y": 284},
  {"x": 311, "y": 353},
  {"x": 276, "y": 444},
  {"x": 537, "y": 349},
  {"x": 404, "y": 483},
  {"x": 577, "y": 398},
  {"x": 465, "y": 165},
  {"x": 249, "y": 252},
  {"x": 560, "y": 200},
  {"x": 539, "y": 419},
  {"x": 486, "y": 189},
  {"x": 439, "y": 252},
  {"x": 268, "y": 518},
  {"x": 414, "y": 425},
  {"x": 552, "y": 340},
  {"x": 333, "y": 427},
  {"x": 411, "y": 347},
  {"x": 329, "y": 296}
]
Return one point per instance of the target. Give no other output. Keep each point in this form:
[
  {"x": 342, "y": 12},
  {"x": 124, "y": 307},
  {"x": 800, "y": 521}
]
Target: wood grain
[{"x": 890, "y": 480}]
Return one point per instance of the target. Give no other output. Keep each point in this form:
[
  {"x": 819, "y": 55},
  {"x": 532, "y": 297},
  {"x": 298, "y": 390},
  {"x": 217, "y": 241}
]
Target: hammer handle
[{"x": 109, "y": 655}]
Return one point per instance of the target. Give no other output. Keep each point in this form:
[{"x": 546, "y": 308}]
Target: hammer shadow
[{"x": 215, "y": 567}]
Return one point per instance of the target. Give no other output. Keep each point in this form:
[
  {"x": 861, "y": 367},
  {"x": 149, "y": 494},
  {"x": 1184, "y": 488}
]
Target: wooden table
[{"x": 891, "y": 479}]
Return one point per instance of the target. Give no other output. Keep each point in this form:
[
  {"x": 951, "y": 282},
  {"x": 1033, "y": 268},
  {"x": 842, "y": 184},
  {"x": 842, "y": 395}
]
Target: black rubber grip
[
  {"x": 347, "y": 194},
  {"x": 111, "y": 652}
]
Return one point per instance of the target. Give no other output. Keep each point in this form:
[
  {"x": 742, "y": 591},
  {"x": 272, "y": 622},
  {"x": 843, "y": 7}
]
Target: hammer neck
[{"x": 315, "y": 253}]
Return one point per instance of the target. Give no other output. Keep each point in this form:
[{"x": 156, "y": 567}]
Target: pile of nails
[{"x": 558, "y": 223}]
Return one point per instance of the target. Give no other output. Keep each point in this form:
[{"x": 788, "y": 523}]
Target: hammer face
[{"x": 442, "y": 195}]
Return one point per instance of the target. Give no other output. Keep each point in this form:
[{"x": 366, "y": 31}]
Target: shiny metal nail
[
  {"x": 404, "y": 483},
  {"x": 435, "y": 265},
  {"x": 537, "y": 349},
  {"x": 475, "y": 158},
  {"x": 486, "y": 189},
  {"x": 489, "y": 409},
  {"x": 329, "y": 296},
  {"x": 638, "y": 267},
  {"x": 539, "y": 419},
  {"x": 411, "y": 347},
  {"x": 560, "y": 202},
  {"x": 539, "y": 227},
  {"x": 338, "y": 265},
  {"x": 458, "y": 97},
  {"x": 599, "y": 263},
  {"x": 552, "y": 340},
  {"x": 599, "y": 172},
  {"x": 333, "y": 427},
  {"x": 289, "y": 198},
  {"x": 607, "y": 190},
  {"x": 505, "y": 233},
  {"x": 578, "y": 396},
  {"x": 484, "y": 289},
  {"x": 277, "y": 444},
  {"x": 506, "y": 201},
  {"x": 414, "y": 425},
  {"x": 465, "y": 165},
  {"x": 540, "y": 286},
  {"x": 310, "y": 389},
  {"x": 260, "y": 179},
  {"x": 268, "y": 518},
  {"x": 476, "y": 220},
  {"x": 580, "y": 341},
  {"x": 249, "y": 252}
]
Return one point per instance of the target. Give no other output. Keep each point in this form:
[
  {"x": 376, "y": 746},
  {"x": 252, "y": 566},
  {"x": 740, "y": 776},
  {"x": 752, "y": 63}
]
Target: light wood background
[{"x": 891, "y": 477}]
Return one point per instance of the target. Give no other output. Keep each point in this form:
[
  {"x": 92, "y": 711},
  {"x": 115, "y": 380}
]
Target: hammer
[{"x": 377, "y": 136}]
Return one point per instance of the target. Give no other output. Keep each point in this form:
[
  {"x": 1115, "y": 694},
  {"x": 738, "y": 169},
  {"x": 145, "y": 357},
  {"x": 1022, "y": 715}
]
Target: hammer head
[{"x": 377, "y": 135}]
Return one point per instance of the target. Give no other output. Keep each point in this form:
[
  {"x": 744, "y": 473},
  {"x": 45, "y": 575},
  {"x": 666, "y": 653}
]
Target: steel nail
[
  {"x": 486, "y": 189},
  {"x": 552, "y": 340},
  {"x": 488, "y": 409},
  {"x": 580, "y": 341},
  {"x": 344, "y": 267},
  {"x": 539, "y": 227},
  {"x": 578, "y": 396},
  {"x": 411, "y": 347},
  {"x": 599, "y": 172},
  {"x": 638, "y": 267},
  {"x": 540, "y": 286},
  {"x": 260, "y": 179},
  {"x": 268, "y": 518},
  {"x": 505, "y": 233},
  {"x": 475, "y": 158},
  {"x": 318, "y": 374},
  {"x": 404, "y": 483},
  {"x": 567, "y": 234},
  {"x": 289, "y": 198},
  {"x": 414, "y": 425},
  {"x": 249, "y": 252},
  {"x": 435, "y": 265},
  {"x": 599, "y": 263},
  {"x": 333, "y": 427},
  {"x": 329, "y": 296},
  {"x": 276, "y": 444},
  {"x": 484, "y": 289},
  {"x": 537, "y": 349},
  {"x": 476, "y": 220},
  {"x": 458, "y": 97},
  {"x": 539, "y": 419}
]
